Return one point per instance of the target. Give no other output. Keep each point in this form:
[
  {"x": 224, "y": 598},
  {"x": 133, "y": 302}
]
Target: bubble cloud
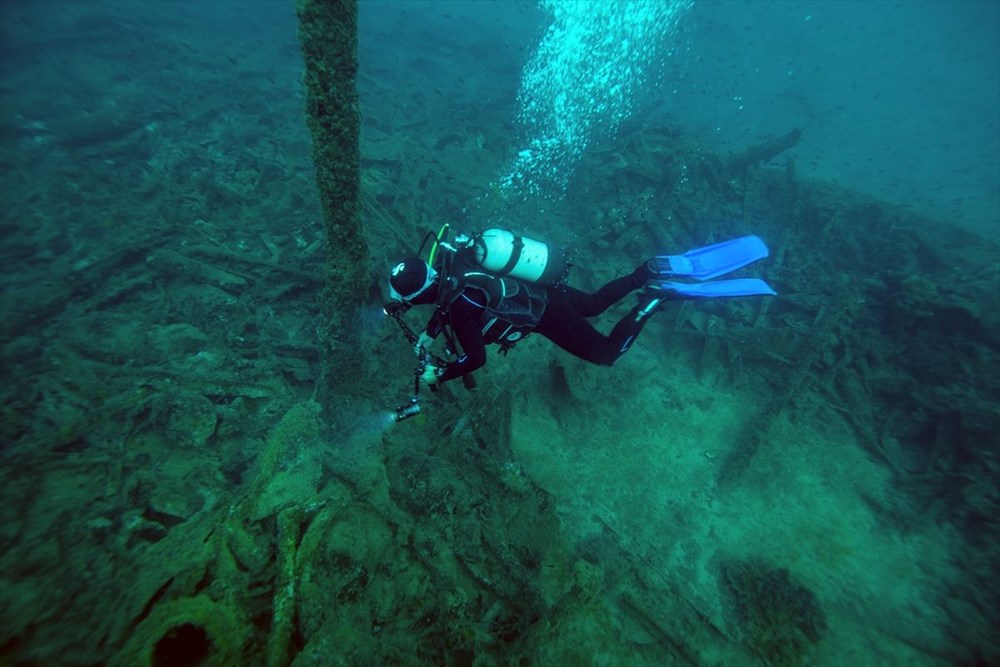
[{"x": 581, "y": 83}]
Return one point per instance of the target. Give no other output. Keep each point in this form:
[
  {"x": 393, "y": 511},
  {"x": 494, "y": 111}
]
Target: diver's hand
[
  {"x": 424, "y": 341},
  {"x": 430, "y": 375}
]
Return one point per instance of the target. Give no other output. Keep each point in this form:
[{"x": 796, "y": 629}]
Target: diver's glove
[
  {"x": 424, "y": 341},
  {"x": 431, "y": 375}
]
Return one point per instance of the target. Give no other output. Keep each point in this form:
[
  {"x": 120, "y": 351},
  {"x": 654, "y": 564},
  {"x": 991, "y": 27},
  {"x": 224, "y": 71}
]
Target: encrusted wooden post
[{"x": 328, "y": 35}]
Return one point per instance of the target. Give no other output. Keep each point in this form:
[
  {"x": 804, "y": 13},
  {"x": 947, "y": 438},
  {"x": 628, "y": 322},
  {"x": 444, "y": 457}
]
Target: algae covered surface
[{"x": 807, "y": 479}]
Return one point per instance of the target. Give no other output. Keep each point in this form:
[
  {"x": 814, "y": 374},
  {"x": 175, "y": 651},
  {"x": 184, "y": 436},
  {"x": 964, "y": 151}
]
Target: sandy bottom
[{"x": 646, "y": 463}]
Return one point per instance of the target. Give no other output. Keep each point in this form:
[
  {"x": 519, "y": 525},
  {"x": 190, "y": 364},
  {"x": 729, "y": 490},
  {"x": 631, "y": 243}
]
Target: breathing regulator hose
[{"x": 442, "y": 234}]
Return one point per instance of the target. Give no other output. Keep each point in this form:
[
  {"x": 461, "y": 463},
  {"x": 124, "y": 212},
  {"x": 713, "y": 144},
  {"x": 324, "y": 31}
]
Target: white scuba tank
[{"x": 504, "y": 253}]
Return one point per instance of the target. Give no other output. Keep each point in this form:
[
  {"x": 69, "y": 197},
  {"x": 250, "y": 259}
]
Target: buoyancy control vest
[
  {"x": 512, "y": 310},
  {"x": 511, "y": 273}
]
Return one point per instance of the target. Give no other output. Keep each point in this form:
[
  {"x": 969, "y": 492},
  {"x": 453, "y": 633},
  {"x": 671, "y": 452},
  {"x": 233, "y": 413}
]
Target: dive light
[{"x": 407, "y": 410}]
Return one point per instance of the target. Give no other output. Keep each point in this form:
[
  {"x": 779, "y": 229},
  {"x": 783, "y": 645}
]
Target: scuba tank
[
  {"x": 504, "y": 253},
  {"x": 501, "y": 253}
]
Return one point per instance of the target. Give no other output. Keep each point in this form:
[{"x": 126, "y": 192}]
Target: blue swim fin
[
  {"x": 718, "y": 288},
  {"x": 711, "y": 261}
]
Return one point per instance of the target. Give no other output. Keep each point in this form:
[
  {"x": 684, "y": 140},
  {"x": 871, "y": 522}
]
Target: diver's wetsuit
[{"x": 563, "y": 322}]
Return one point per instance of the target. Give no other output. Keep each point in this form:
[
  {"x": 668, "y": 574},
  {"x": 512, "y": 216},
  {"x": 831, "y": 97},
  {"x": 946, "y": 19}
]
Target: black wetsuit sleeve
[
  {"x": 434, "y": 326},
  {"x": 466, "y": 316}
]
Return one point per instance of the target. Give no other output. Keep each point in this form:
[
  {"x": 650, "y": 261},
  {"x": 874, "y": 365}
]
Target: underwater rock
[
  {"x": 293, "y": 486},
  {"x": 779, "y": 617},
  {"x": 911, "y": 440},
  {"x": 426, "y": 486},
  {"x": 170, "y": 508},
  {"x": 101, "y": 528},
  {"x": 190, "y": 419},
  {"x": 181, "y": 337},
  {"x": 139, "y": 528}
]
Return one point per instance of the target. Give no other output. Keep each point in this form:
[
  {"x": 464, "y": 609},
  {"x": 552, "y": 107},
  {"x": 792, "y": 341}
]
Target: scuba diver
[{"x": 497, "y": 287}]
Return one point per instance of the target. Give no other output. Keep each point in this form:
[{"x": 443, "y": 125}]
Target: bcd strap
[{"x": 515, "y": 256}]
